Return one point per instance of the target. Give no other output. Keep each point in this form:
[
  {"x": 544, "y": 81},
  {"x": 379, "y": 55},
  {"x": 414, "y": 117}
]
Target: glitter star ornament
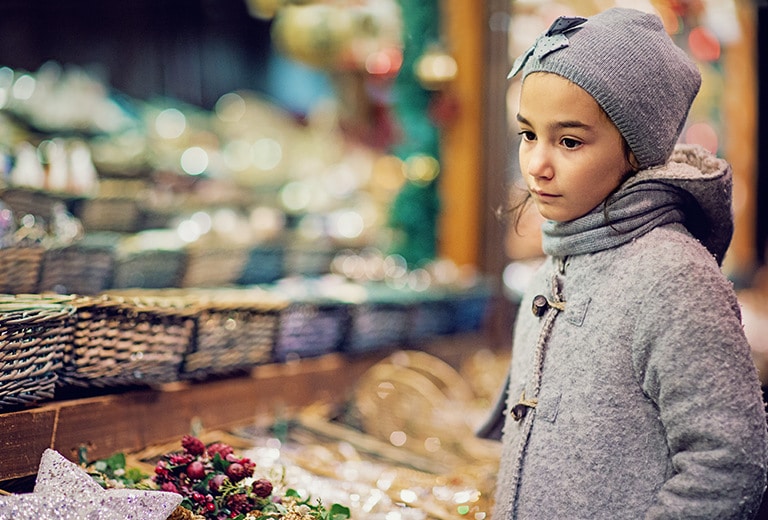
[{"x": 63, "y": 491}]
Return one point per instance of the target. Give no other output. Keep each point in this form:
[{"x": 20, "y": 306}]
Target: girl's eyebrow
[{"x": 557, "y": 125}]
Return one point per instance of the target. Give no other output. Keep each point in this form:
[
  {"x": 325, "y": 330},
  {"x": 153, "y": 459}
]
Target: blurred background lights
[
  {"x": 384, "y": 389},
  {"x": 398, "y": 438},
  {"x": 6, "y": 83},
  {"x": 6, "y": 77},
  {"x": 432, "y": 444},
  {"x": 408, "y": 496},
  {"x": 230, "y": 107},
  {"x": 395, "y": 266},
  {"x": 462, "y": 497},
  {"x": 295, "y": 196},
  {"x": 703, "y": 44},
  {"x": 346, "y": 224},
  {"x": 341, "y": 181},
  {"x": 224, "y": 220},
  {"x": 188, "y": 231},
  {"x": 170, "y": 123},
  {"x": 421, "y": 168},
  {"x": 436, "y": 68},
  {"x": 419, "y": 280},
  {"x": 702, "y": 133},
  {"x": 311, "y": 227},
  {"x": 268, "y": 219},
  {"x": 237, "y": 155},
  {"x": 384, "y": 62},
  {"x": 202, "y": 220},
  {"x": 669, "y": 18},
  {"x": 267, "y": 153},
  {"x": 24, "y": 87},
  {"x": 194, "y": 160}
]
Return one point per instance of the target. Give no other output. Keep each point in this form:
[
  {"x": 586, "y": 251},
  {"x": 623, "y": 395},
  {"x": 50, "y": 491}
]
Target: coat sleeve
[
  {"x": 493, "y": 425},
  {"x": 692, "y": 359}
]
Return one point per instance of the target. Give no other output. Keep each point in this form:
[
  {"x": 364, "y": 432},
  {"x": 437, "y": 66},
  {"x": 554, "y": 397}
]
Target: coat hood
[{"x": 707, "y": 182}]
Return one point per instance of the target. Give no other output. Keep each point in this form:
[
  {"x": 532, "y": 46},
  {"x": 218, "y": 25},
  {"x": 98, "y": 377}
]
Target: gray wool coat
[{"x": 647, "y": 402}]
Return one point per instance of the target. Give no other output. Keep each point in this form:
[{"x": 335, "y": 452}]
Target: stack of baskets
[{"x": 141, "y": 337}]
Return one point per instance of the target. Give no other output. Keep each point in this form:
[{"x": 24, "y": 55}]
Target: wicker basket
[
  {"x": 109, "y": 214},
  {"x": 264, "y": 264},
  {"x": 231, "y": 337},
  {"x": 471, "y": 308},
  {"x": 233, "y": 329},
  {"x": 429, "y": 316},
  {"x": 34, "y": 334},
  {"x": 374, "y": 325},
  {"x": 126, "y": 342},
  {"x": 23, "y": 201},
  {"x": 148, "y": 269},
  {"x": 213, "y": 267},
  {"x": 309, "y": 329},
  {"x": 20, "y": 269},
  {"x": 308, "y": 259},
  {"x": 82, "y": 268}
]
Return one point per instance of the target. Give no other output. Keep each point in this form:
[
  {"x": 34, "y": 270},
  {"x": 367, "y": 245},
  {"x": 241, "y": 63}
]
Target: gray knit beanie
[{"x": 626, "y": 61}]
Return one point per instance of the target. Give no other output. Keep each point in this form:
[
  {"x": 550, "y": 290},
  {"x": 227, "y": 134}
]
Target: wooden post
[{"x": 462, "y": 147}]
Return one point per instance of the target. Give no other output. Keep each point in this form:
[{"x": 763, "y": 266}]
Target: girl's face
[{"x": 571, "y": 155}]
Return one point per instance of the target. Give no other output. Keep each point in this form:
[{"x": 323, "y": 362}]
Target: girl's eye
[
  {"x": 570, "y": 143},
  {"x": 527, "y": 135}
]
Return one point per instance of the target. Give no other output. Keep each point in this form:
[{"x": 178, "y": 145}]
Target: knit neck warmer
[
  {"x": 693, "y": 188},
  {"x": 631, "y": 213}
]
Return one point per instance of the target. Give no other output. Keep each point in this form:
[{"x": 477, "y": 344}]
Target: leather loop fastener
[
  {"x": 540, "y": 305},
  {"x": 523, "y": 405}
]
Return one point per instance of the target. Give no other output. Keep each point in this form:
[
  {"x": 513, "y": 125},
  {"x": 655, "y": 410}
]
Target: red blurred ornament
[
  {"x": 703, "y": 44},
  {"x": 443, "y": 108}
]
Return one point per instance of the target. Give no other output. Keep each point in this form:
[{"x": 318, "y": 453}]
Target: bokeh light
[
  {"x": 170, "y": 123},
  {"x": 194, "y": 160}
]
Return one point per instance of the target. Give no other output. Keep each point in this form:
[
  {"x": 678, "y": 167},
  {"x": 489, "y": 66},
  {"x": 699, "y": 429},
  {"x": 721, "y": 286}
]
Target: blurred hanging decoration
[
  {"x": 414, "y": 212},
  {"x": 436, "y": 70},
  {"x": 702, "y": 28},
  {"x": 385, "y": 62},
  {"x": 357, "y": 43}
]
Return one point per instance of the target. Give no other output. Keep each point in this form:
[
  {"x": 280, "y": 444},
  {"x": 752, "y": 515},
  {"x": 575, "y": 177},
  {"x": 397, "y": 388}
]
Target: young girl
[{"x": 632, "y": 393}]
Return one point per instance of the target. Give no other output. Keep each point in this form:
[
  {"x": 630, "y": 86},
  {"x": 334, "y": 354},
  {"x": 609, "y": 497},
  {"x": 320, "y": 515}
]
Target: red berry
[
  {"x": 262, "y": 488},
  {"x": 192, "y": 445},
  {"x": 222, "y": 449},
  {"x": 215, "y": 483},
  {"x": 196, "y": 470},
  {"x": 170, "y": 487}
]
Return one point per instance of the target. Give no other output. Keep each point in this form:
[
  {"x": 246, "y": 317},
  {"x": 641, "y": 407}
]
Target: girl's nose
[{"x": 538, "y": 163}]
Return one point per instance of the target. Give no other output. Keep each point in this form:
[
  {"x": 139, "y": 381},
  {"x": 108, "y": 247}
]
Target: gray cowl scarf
[{"x": 693, "y": 188}]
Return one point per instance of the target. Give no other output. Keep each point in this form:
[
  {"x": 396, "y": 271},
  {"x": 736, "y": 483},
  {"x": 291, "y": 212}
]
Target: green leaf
[
  {"x": 116, "y": 461},
  {"x": 339, "y": 512},
  {"x": 220, "y": 464},
  {"x": 135, "y": 475},
  {"x": 292, "y": 493}
]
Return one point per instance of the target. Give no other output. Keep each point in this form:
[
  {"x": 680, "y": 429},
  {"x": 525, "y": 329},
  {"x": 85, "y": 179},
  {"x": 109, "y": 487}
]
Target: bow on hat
[{"x": 552, "y": 40}]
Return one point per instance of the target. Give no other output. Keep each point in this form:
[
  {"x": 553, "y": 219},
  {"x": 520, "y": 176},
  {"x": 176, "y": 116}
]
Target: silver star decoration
[{"x": 64, "y": 491}]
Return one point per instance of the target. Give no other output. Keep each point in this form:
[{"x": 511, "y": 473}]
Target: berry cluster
[{"x": 214, "y": 482}]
